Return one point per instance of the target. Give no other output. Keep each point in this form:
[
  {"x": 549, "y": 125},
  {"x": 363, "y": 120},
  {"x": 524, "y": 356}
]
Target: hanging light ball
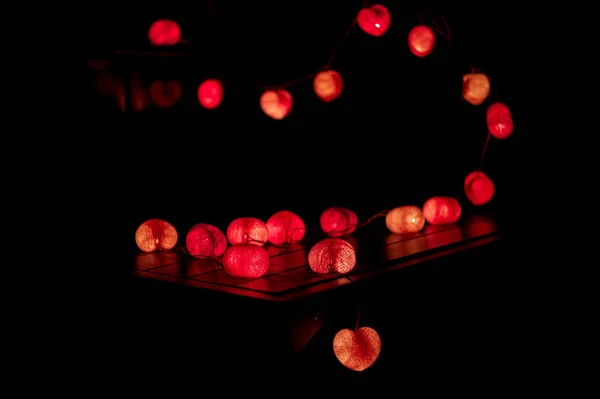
[
  {"x": 155, "y": 235},
  {"x": 421, "y": 40},
  {"x": 442, "y": 210},
  {"x": 246, "y": 260},
  {"x": 247, "y": 231},
  {"x": 205, "y": 241},
  {"x": 210, "y": 93},
  {"x": 337, "y": 221},
  {"x": 476, "y": 88},
  {"x": 479, "y": 188},
  {"x": 276, "y": 104},
  {"x": 328, "y": 85},
  {"x": 164, "y": 32},
  {"x": 405, "y": 219},
  {"x": 357, "y": 350},
  {"x": 499, "y": 121},
  {"x": 165, "y": 94},
  {"x": 374, "y": 20},
  {"x": 285, "y": 227},
  {"x": 332, "y": 255}
]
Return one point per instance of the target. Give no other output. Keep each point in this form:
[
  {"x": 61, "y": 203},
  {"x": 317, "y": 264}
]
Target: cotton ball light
[
  {"x": 210, "y": 93},
  {"x": 285, "y": 227},
  {"x": 479, "y": 188},
  {"x": 247, "y": 231},
  {"x": 276, "y": 104},
  {"x": 155, "y": 235},
  {"x": 337, "y": 221},
  {"x": 421, "y": 40},
  {"x": 374, "y": 20},
  {"x": 499, "y": 121},
  {"x": 476, "y": 88},
  {"x": 332, "y": 255},
  {"x": 442, "y": 210},
  {"x": 205, "y": 241},
  {"x": 164, "y": 32},
  {"x": 165, "y": 94},
  {"x": 357, "y": 350},
  {"x": 246, "y": 260},
  {"x": 328, "y": 85},
  {"x": 405, "y": 219}
]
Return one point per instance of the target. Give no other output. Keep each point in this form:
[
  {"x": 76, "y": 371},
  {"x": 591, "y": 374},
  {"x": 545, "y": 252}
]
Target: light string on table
[{"x": 334, "y": 254}]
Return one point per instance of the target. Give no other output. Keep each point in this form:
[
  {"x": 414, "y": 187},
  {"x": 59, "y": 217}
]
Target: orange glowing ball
[
  {"x": 357, "y": 350},
  {"x": 246, "y": 260},
  {"x": 479, "y": 188},
  {"x": 476, "y": 88},
  {"x": 328, "y": 85},
  {"x": 421, "y": 40},
  {"x": 164, "y": 32},
  {"x": 374, "y": 20},
  {"x": 442, "y": 210},
  {"x": 337, "y": 221},
  {"x": 276, "y": 104},
  {"x": 285, "y": 227},
  {"x": 247, "y": 231},
  {"x": 155, "y": 235},
  {"x": 405, "y": 219},
  {"x": 205, "y": 241},
  {"x": 332, "y": 255},
  {"x": 165, "y": 94},
  {"x": 499, "y": 121},
  {"x": 210, "y": 93}
]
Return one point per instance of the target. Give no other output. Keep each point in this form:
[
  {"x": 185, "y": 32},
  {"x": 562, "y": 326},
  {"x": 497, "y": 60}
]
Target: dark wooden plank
[{"x": 289, "y": 276}]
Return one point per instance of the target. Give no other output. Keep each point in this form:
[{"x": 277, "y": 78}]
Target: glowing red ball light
[
  {"x": 247, "y": 231},
  {"x": 337, "y": 221},
  {"x": 328, "y": 85},
  {"x": 246, "y": 260},
  {"x": 210, "y": 93},
  {"x": 285, "y": 227},
  {"x": 276, "y": 104},
  {"x": 405, "y": 219},
  {"x": 332, "y": 255},
  {"x": 442, "y": 210},
  {"x": 357, "y": 350},
  {"x": 165, "y": 94},
  {"x": 205, "y": 241},
  {"x": 164, "y": 32},
  {"x": 421, "y": 40},
  {"x": 374, "y": 20},
  {"x": 155, "y": 235},
  {"x": 479, "y": 188},
  {"x": 499, "y": 121}
]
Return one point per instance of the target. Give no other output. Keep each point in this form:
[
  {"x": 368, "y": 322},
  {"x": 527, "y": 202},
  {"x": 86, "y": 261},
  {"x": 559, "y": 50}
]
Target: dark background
[{"x": 399, "y": 133}]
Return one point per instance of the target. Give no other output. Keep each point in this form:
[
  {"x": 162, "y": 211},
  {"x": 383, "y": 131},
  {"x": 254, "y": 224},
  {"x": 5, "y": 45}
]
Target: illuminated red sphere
[
  {"x": 247, "y": 231},
  {"x": 332, "y": 255},
  {"x": 328, "y": 85},
  {"x": 358, "y": 349},
  {"x": 337, "y": 221},
  {"x": 285, "y": 227},
  {"x": 374, "y": 20},
  {"x": 210, "y": 93},
  {"x": 499, "y": 121},
  {"x": 164, "y": 32},
  {"x": 276, "y": 104},
  {"x": 205, "y": 241},
  {"x": 165, "y": 94},
  {"x": 421, "y": 40},
  {"x": 155, "y": 235},
  {"x": 442, "y": 210},
  {"x": 246, "y": 260},
  {"x": 479, "y": 188}
]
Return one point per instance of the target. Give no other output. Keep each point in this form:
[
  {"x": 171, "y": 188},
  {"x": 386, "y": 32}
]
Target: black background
[{"x": 400, "y": 132}]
